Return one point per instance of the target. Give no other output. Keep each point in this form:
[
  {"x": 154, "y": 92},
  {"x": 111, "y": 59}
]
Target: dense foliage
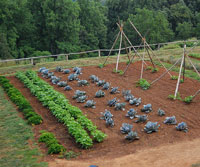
[
  {"x": 77, "y": 123},
  {"x": 23, "y": 105},
  {"x": 33, "y": 28}
]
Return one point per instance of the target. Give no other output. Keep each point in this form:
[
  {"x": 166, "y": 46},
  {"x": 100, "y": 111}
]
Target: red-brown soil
[{"x": 115, "y": 145}]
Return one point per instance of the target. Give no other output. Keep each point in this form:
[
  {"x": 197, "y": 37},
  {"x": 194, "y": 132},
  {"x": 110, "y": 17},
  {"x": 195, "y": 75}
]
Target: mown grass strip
[{"x": 15, "y": 136}]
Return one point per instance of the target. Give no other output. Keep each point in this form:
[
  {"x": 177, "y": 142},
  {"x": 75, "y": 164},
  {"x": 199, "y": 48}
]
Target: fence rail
[{"x": 92, "y": 51}]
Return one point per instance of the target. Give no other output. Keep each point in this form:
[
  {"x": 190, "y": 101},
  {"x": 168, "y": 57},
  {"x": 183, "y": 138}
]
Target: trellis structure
[
  {"x": 181, "y": 70},
  {"x": 148, "y": 50},
  {"x": 182, "y": 66},
  {"x": 123, "y": 38}
]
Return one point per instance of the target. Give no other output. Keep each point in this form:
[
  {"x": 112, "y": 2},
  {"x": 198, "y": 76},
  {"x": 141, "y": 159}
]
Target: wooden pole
[
  {"x": 196, "y": 93},
  {"x": 130, "y": 43},
  {"x": 179, "y": 78},
  {"x": 193, "y": 65},
  {"x": 112, "y": 48},
  {"x": 132, "y": 58},
  {"x": 184, "y": 62},
  {"x": 149, "y": 47},
  {"x": 165, "y": 72},
  {"x": 120, "y": 46},
  {"x": 133, "y": 47},
  {"x": 150, "y": 58},
  {"x": 126, "y": 48},
  {"x": 142, "y": 70}
]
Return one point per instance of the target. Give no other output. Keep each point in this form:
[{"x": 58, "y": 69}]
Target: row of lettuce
[
  {"x": 51, "y": 142},
  {"x": 79, "y": 126},
  {"x": 21, "y": 102}
]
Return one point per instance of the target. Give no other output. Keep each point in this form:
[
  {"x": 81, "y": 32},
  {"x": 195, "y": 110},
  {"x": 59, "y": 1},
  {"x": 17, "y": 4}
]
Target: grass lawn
[{"x": 15, "y": 135}]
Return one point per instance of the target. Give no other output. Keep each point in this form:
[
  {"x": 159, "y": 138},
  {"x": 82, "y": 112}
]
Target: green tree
[
  {"x": 4, "y": 48},
  {"x": 184, "y": 30},
  {"x": 93, "y": 25},
  {"x": 62, "y": 25},
  {"x": 194, "y": 5},
  {"x": 155, "y": 23},
  {"x": 57, "y": 23},
  {"x": 117, "y": 10},
  {"x": 179, "y": 13},
  {"x": 17, "y": 27}
]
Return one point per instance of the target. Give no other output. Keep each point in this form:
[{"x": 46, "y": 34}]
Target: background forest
[{"x": 41, "y": 27}]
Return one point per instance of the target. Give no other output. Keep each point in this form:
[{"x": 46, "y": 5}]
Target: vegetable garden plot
[
  {"x": 71, "y": 116},
  {"x": 115, "y": 145}
]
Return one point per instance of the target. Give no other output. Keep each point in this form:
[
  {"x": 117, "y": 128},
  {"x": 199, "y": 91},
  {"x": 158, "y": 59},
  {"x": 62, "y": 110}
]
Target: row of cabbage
[{"x": 77, "y": 123}]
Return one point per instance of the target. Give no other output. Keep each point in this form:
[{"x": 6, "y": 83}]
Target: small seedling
[
  {"x": 119, "y": 71},
  {"x": 144, "y": 84},
  {"x": 148, "y": 68},
  {"x": 174, "y": 77},
  {"x": 172, "y": 97},
  {"x": 188, "y": 99},
  {"x": 154, "y": 70},
  {"x": 114, "y": 71},
  {"x": 101, "y": 65},
  {"x": 181, "y": 81},
  {"x": 128, "y": 62}
]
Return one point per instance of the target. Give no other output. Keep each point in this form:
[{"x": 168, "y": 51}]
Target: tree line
[{"x": 33, "y": 27}]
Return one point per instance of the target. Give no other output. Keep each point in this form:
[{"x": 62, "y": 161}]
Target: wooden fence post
[
  {"x": 32, "y": 61},
  {"x": 67, "y": 57},
  {"x": 99, "y": 52},
  {"x": 159, "y": 46},
  {"x": 130, "y": 50}
]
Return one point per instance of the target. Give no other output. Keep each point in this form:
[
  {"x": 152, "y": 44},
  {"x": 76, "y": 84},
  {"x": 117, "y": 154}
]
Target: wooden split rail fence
[{"x": 31, "y": 60}]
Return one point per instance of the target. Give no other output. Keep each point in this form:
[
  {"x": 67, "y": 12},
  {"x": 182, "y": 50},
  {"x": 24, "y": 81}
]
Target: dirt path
[{"x": 183, "y": 154}]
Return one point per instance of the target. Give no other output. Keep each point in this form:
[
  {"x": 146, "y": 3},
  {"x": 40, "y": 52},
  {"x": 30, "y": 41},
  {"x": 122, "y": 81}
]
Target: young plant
[
  {"x": 154, "y": 70},
  {"x": 174, "y": 77},
  {"x": 188, "y": 99},
  {"x": 51, "y": 142},
  {"x": 148, "y": 68},
  {"x": 119, "y": 71},
  {"x": 144, "y": 84},
  {"x": 128, "y": 62},
  {"x": 172, "y": 97},
  {"x": 181, "y": 81},
  {"x": 114, "y": 71},
  {"x": 101, "y": 65}
]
